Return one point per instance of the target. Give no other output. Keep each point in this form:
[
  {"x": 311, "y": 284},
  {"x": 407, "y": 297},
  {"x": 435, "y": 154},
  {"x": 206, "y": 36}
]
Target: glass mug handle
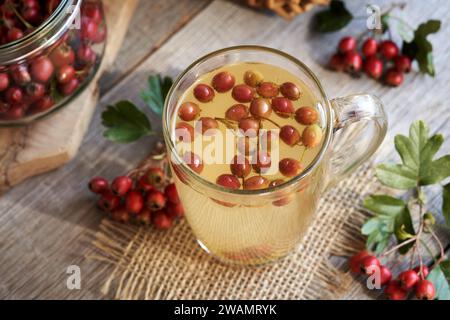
[{"x": 359, "y": 129}]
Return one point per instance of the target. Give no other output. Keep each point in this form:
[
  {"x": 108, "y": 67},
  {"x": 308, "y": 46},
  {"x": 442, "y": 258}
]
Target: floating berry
[
  {"x": 228, "y": 181},
  {"x": 243, "y": 93},
  {"x": 65, "y": 74},
  {"x": 290, "y": 135},
  {"x": 337, "y": 62},
  {"x": 42, "y": 105},
  {"x": 20, "y": 75},
  {"x": 408, "y": 279},
  {"x": 347, "y": 44},
  {"x": 134, "y": 202},
  {"x": 108, "y": 202},
  {"x": 161, "y": 220},
  {"x": 15, "y": 112},
  {"x": 171, "y": 193},
  {"x": 41, "y": 70},
  {"x": 4, "y": 81},
  {"x": 14, "y": 95},
  {"x": 352, "y": 62},
  {"x": 312, "y": 136},
  {"x": 283, "y": 107},
  {"x": 184, "y": 132},
  {"x": 290, "y": 167},
  {"x": 155, "y": 200},
  {"x": 373, "y": 67},
  {"x": 256, "y": 183},
  {"x": 395, "y": 292},
  {"x": 240, "y": 166},
  {"x": 204, "y": 93},
  {"x": 207, "y": 126},
  {"x": 260, "y": 108},
  {"x": 425, "y": 290},
  {"x": 69, "y": 88},
  {"x": 223, "y": 82},
  {"x": 98, "y": 185},
  {"x": 253, "y": 78},
  {"x": 355, "y": 261},
  {"x": 62, "y": 55},
  {"x": 268, "y": 90},
  {"x": 155, "y": 176},
  {"x": 394, "y": 77},
  {"x": 237, "y": 112},
  {"x": 121, "y": 185},
  {"x": 194, "y": 162},
  {"x": 370, "y": 47},
  {"x": 189, "y": 111},
  {"x": 307, "y": 116},
  {"x": 402, "y": 63},
  {"x": 290, "y": 90},
  {"x": 283, "y": 201},
  {"x": 263, "y": 162},
  {"x": 388, "y": 49},
  {"x": 34, "y": 91},
  {"x": 250, "y": 126},
  {"x": 86, "y": 55}
]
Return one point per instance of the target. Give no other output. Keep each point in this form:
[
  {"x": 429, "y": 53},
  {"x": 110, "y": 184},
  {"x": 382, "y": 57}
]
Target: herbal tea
[{"x": 249, "y": 126}]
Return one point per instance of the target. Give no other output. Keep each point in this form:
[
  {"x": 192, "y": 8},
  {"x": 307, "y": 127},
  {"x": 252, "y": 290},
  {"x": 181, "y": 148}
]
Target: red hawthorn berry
[
  {"x": 355, "y": 261},
  {"x": 161, "y": 220},
  {"x": 394, "y": 292},
  {"x": 373, "y": 67},
  {"x": 370, "y": 47},
  {"x": 121, "y": 185},
  {"x": 98, "y": 185},
  {"x": 155, "y": 176},
  {"x": 155, "y": 200},
  {"x": 337, "y": 62},
  {"x": 367, "y": 263},
  {"x": 385, "y": 275},
  {"x": 171, "y": 193},
  {"x": 108, "y": 202},
  {"x": 394, "y": 77},
  {"x": 402, "y": 63},
  {"x": 388, "y": 49},
  {"x": 134, "y": 202},
  {"x": 144, "y": 186},
  {"x": 352, "y": 62},
  {"x": 175, "y": 210},
  {"x": 425, "y": 290},
  {"x": 408, "y": 279},
  {"x": 120, "y": 215},
  {"x": 347, "y": 44},
  {"x": 145, "y": 217},
  {"x": 425, "y": 271}
]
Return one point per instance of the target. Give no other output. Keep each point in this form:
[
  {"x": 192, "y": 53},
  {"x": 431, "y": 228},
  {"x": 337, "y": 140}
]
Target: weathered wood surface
[
  {"x": 52, "y": 142},
  {"x": 45, "y": 223}
]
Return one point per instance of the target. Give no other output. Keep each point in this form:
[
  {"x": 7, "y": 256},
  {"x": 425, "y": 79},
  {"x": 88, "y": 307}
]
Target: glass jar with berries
[{"x": 49, "y": 51}]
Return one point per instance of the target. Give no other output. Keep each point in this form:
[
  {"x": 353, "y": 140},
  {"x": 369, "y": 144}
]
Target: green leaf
[
  {"x": 440, "y": 277},
  {"x": 420, "y": 48},
  {"x": 396, "y": 176},
  {"x": 155, "y": 95},
  {"x": 446, "y": 204},
  {"x": 418, "y": 168},
  {"x": 334, "y": 18},
  {"x": 392, "y": 218},
  {"x": 125, "y": 123}
]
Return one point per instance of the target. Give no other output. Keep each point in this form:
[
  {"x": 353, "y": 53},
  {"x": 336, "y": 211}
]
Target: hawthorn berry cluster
[
  {"x": 379, "y": 60},
  {"x": 34, "y": 86},
  {"x": 144, "y": 198},
  {"x": 398, "y": 289}
]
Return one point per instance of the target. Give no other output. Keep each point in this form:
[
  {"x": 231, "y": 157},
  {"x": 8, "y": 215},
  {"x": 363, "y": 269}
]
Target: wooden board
[
  {"x": 47, "y": 222},
  {"x": 52, "y": 142}
]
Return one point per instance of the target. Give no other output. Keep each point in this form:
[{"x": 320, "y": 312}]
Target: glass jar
[{"x": 47, "y": 65}]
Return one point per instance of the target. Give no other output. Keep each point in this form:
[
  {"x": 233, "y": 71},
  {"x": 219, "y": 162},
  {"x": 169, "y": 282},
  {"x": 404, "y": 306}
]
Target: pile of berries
[
  {"x": 34, "y": 86},
  {"x": 399, "y": 289},
  {"x": 379, "y": 60},
  {"x": 144, "y": 199}
]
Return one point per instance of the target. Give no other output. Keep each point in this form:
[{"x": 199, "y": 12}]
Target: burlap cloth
[{"x": 148, "y": 264}]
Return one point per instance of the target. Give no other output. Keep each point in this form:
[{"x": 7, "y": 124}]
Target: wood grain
[
  {"x": 52, "y": 142},
  {"x": 45, "y": 223}
]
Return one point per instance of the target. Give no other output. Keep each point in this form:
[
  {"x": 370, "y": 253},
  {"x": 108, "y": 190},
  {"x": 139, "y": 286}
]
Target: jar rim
[
  {"x": 43, "y": 36},
  {"x": 195, "y": 177}
]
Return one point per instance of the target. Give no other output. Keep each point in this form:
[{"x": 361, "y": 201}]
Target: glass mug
[{"x": 264, "y": 225}]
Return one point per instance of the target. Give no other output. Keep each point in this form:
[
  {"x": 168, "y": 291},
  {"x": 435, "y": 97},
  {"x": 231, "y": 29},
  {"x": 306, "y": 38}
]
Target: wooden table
[{"x": 46, "y": 223}]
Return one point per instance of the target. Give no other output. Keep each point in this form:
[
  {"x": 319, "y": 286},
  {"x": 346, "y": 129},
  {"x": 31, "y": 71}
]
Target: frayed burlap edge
[{"x": 146, "y": 264}]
